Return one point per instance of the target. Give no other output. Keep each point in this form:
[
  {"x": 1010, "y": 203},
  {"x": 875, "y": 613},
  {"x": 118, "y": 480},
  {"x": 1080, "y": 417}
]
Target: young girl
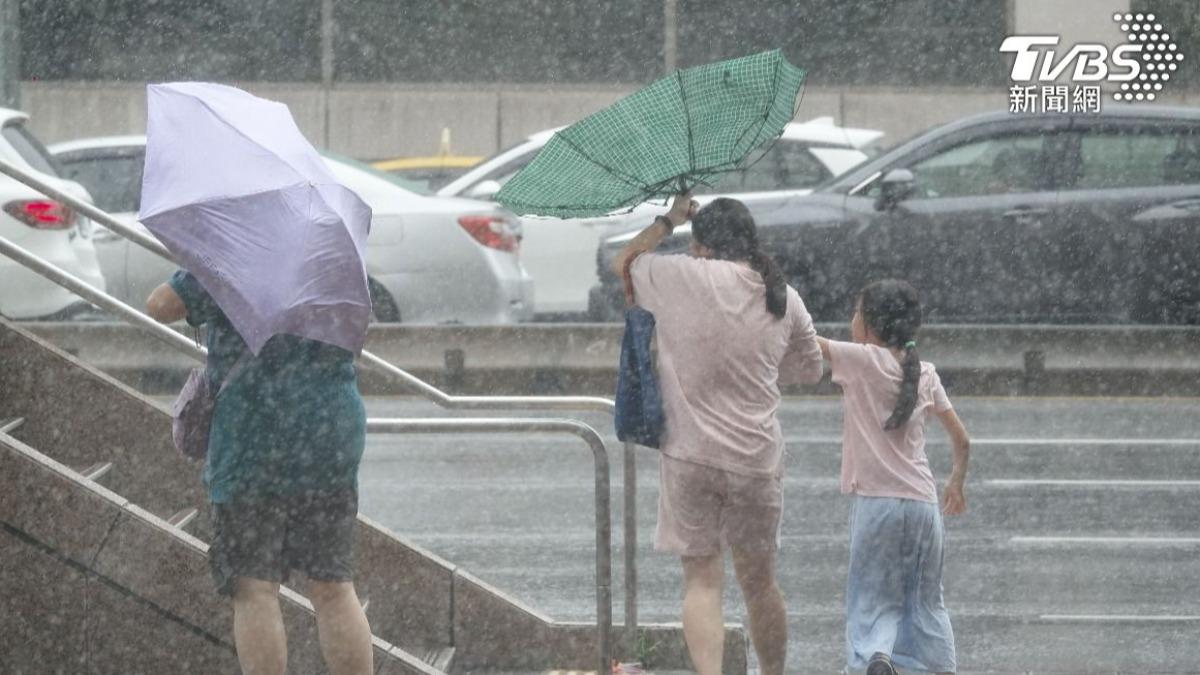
[{"x": 894, "y": 609}]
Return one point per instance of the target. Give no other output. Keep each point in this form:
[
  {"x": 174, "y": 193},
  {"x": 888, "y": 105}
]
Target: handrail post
[
  {"x": 629, "y": 510},
  {"x": 603, "y": 497}
]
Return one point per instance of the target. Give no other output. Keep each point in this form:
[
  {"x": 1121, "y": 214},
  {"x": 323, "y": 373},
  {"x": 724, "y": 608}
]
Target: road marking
[
  {"x": 1121, "y": 618},
  {"x": 1085, "y": 482},
  {"x": 1109, "y": 541},
  {"x": 836, "y": 440}
]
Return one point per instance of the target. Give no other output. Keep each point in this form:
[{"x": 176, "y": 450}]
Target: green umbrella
[{"x": 683, "y": 130}]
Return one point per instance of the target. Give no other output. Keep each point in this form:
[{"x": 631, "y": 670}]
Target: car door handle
[
  {"x": 1191, "y": 204},
  {"x": 1025, "y": 212}
]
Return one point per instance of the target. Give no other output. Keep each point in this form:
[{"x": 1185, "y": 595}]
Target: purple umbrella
[{"x": 245, "y": 203}]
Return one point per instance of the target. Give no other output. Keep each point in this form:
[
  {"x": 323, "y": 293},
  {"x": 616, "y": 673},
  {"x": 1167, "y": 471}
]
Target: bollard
[
  {"x": 456, "y": 368},
  {"x": 1035, "y": 372}
]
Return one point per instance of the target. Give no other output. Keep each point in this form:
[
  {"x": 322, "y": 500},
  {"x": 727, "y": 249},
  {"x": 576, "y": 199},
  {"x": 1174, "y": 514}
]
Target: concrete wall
[{"x": 385, "y": 120}]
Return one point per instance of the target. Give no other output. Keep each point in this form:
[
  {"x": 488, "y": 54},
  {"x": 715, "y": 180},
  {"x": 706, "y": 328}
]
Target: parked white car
[
  {"x": 561, "y": 253},
  {"x": 429, "y": 260},
  {"x": 42, "y": 226}
]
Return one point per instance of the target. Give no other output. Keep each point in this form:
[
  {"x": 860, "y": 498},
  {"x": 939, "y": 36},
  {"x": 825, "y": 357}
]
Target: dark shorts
[{"x": 267, "y": 537}]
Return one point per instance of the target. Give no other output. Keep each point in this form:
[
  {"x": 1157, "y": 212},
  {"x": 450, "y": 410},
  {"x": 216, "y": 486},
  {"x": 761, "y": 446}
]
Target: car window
[
  {"x": 997, "y": 165},
  {"x": 30, "y": 148},
  {"x": 785, "y": 166},
  {"x": 399, "y": 181},
  {"x": 1137, "y": 157},
  {"x": 505, "y": 173},
  {"x": 114, "y": 181}
]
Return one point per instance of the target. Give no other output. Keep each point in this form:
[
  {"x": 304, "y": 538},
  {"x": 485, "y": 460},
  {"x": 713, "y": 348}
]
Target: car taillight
[
  {"x": 491, "y": 231},
  {"x": 42, "y": 214}
]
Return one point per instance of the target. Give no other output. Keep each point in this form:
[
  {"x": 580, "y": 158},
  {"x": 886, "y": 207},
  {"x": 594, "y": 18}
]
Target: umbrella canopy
[
  {"x": 241, "y": 199},
  {"x": 680, "y": 131}
]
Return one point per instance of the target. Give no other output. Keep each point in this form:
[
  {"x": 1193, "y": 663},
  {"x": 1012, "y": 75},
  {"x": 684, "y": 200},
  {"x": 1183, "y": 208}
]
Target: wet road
[{"x": 1080, "y": 551}]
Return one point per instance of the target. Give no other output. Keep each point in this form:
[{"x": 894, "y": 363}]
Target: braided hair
[
  {"x": 891, "y": 310},
  {"x": 726, "y": 227}
]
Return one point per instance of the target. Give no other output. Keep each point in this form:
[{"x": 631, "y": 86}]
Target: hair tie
[{"x": 911, "y": 344}]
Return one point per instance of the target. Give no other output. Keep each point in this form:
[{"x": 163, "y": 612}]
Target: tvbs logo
[
  {"x": 1091, "y": 60},
  {"x": 1142, "y": 64}
]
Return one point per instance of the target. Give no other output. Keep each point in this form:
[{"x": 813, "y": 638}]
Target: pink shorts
[{"x": 702, "y": 509}]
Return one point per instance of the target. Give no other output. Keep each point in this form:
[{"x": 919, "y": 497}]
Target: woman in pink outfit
[
  {"x": 894, "y": 608},
  {"x": 729, "y": 330}
]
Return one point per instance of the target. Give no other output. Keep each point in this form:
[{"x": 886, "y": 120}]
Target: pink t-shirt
[
  {"x": 878, "y": 463},
  {"x": 721, "y": 359}
]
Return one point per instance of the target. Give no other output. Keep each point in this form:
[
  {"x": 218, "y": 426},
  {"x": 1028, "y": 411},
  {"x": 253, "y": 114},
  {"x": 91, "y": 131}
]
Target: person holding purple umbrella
[{"x": 271, "y": 247}]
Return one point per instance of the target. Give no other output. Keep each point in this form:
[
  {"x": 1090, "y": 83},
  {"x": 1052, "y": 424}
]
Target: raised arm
[
  {"x": 954, "y": 502},
  {"x": 682, "y": 210}
]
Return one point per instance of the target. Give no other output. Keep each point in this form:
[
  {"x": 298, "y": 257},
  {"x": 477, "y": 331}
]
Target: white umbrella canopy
[{"x": 244, "y": 202}]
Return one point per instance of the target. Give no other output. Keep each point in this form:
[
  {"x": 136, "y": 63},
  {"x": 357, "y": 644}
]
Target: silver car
[{"x": 430, "y": 260}]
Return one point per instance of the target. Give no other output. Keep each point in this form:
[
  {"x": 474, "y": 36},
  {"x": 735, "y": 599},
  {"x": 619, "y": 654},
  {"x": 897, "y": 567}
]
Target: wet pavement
[{"x": 1079, "y": 552}]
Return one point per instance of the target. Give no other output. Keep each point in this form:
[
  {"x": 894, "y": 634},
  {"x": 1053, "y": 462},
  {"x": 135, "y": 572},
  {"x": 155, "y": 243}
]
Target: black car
[{"x": 1004, "y": 218}]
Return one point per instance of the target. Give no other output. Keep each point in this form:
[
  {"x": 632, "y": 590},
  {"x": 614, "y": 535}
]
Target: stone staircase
[{"x": 104, "y": 529}]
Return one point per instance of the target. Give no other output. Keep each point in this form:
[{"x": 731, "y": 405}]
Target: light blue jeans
[{"x": 894, "y": 587}]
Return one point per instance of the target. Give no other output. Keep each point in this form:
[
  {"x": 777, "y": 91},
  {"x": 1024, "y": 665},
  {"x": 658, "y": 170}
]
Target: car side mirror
[
  {"x": 895, "y": 186},
  {"x": 486, "y": 189}
]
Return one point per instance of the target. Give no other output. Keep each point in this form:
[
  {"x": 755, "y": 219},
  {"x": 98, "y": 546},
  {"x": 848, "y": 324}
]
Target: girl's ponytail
[
  {"x": 891, "y": 309},
  {"x": 772, "y": 276},
  {"x": 907, "y": 401}
]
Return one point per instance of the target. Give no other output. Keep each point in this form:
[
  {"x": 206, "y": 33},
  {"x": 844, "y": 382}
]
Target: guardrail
[{"x": 441, "y": 398}]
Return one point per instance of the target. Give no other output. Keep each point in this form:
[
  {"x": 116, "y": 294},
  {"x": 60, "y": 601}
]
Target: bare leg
[
  {"x": 258, "y": 627},
  {"x": 342, "y": 627},
  {"x": 764, "y": 603},
  {"x": 703, "y": 623}
]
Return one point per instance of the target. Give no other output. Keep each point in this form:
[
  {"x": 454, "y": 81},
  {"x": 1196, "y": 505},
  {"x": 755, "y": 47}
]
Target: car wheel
[{"x": 383, "y": 307}]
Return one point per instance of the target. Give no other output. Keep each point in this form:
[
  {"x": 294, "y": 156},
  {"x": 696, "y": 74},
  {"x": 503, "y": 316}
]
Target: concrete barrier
[{"x": 582, "y": 358}]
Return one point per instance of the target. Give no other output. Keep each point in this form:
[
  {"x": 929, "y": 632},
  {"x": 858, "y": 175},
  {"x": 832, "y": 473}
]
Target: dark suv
[{"x": 1006, "y": 218}]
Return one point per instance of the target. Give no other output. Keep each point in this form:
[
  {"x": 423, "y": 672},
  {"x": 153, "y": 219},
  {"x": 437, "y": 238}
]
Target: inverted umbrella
[
  {"x": 683, "y": 130},
  {"x": 246, "y": 204}
]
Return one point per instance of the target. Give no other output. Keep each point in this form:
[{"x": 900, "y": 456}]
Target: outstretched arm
[
  {"x": 954, "y": 502},
  {"x": 823, "y": 343}
]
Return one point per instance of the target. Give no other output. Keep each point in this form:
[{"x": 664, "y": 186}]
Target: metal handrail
[
  {"x": 389, "y": 425},
  {"x": 430, "y": 392},
  {"x": 603, "y": 517}
]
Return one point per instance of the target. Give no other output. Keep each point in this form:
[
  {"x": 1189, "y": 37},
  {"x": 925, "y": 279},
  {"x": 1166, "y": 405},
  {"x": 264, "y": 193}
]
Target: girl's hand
[
  {"x": 954, "y": 503},
  {"x": 683, "y": 208}
]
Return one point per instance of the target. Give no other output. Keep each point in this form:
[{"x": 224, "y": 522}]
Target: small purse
[
  {"x": 639, "y": 412},
  {"x": 192, "y": 411}
]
